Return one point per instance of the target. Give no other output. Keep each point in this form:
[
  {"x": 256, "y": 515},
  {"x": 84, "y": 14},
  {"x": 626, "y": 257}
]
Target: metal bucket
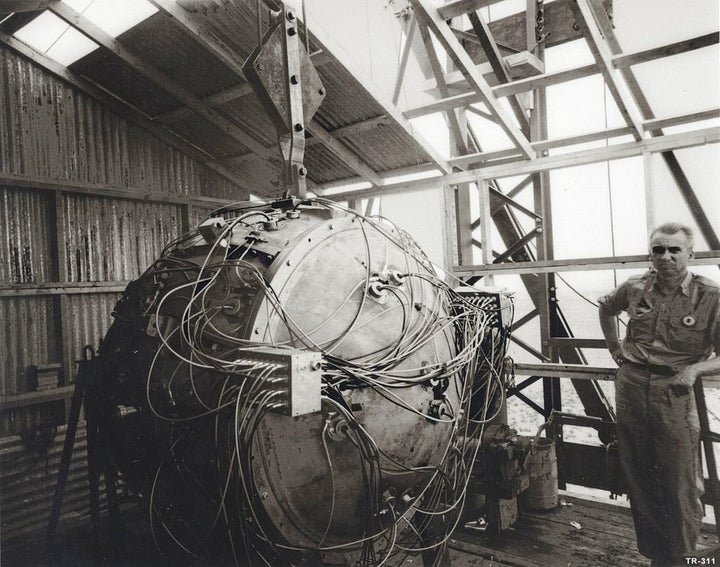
[{"x": 542, "y": 494}]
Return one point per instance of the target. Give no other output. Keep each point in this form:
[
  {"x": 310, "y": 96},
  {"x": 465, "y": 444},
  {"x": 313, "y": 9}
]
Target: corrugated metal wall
[
  {"x": 91, "y": 317},
  {"x": 25, "y": 233},
  {"x": 53, "y": 242},
  {"x": 27, "y": 485},
  {"x": 50, "y": 130},
  {"x": 28, "y": 338},
  {"x": 114, "y": 240}
]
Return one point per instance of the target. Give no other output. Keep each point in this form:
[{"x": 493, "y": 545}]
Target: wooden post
[
  {"x": 649, "y": 191},
  {"x": 486, "y": 227}
]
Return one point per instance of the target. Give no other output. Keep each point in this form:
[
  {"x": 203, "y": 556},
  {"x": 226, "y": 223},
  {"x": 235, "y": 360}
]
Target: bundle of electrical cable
[{"x": 233, "y": 407}]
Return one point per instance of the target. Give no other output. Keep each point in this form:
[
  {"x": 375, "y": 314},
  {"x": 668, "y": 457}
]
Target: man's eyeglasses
[{"x": 660, "y": 250}]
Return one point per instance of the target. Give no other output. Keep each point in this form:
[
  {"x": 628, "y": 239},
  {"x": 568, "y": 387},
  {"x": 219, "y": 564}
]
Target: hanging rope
[{"x": 609, "y": 184}]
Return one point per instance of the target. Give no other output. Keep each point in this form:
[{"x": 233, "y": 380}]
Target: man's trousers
[{"x": 658, "y": 440}]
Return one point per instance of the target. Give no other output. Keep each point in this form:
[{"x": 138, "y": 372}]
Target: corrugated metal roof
[
  {"x": 386, "y": 147},
  {"x": 178, "y": 55},
  {"x": 164, "y": 45},
  {"x": 323, "y": 166},
  {"x": 249, "y": 114},
  {"x": 118, "y": 78}
]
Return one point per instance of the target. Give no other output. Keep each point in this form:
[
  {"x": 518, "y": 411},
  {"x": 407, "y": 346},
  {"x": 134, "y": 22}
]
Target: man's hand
[
  {"x": 684, "y": 380},
  {"x": 617, "y": 356}
]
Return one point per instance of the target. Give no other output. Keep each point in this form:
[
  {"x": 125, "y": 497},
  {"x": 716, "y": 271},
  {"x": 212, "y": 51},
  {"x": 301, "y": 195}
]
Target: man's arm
[
  {"x": 609, "y": 329},
  {"x": 684, "y": 380}
]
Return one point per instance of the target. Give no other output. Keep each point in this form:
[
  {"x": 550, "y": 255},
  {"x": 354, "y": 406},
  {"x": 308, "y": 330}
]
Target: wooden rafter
[
  {"x": 460, "y": 57},
  {"x": 468, "y": 161},
  {"x": 499, "y": 67},
  {"x": 338, "y": 133},
  {"x": 583, "y": 157},
  {"x": 545, "y": 80},
  {"x": 461, "y": 7},
  {"x": 229, "y": 94},
  {"x": 341, "y": 151},
  {"x": 159, "y": 78},
  {"x": 404, "y": 58},
  {"x": 709, "y": 258},
  {"x": 601, "y": 51},
  {"x": 23, "y": 181},
  {"x": 633, "y": 58},
  {"x": 216, "y": 99},
  {"x": 450, "y": 114},
  {"x": 543, "y": 145}
]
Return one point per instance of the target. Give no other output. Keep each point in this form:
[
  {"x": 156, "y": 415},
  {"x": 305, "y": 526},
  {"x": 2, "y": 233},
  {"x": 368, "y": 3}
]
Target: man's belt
[{"x": 658, "y": 369}]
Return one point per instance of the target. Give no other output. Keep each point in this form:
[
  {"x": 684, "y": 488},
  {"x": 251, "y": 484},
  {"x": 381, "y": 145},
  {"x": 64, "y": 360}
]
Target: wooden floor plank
[
  {"x": 601, "y": 534},
  {"x": 605, "y": 538}
]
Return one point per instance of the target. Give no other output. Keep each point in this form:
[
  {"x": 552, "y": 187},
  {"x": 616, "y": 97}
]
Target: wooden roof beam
[
  {"x": 460, "y": 57},
  {"x": 450, "y": 115},
  {"x": 473, "y": 161},
  {"x": 159, "y": 78},
  {"x": 548, "y": 79},
  {"x": 676, "y": 48},
  {"x": 461, "y": 7},
  {"x": 601, "y": 52},
  {"x": 216, "y": 99},
  {"x": 229, "y": 94},
  {"x": 242, "y": 181},
  {"x": 342, "y": 132},
  {"x": 582, "y": 157},
  {"x": 404, "y": 58},
  {"x": 499, "y": 67},
  {"x": 709, "y": 258}
]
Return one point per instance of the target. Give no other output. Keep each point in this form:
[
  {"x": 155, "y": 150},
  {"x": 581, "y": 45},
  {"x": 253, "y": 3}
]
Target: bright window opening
[{"x": 61, "y": 42}]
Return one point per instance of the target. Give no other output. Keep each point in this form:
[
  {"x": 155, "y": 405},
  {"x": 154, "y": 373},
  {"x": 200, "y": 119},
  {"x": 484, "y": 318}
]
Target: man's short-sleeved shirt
[{"x": 679, "y": 328}]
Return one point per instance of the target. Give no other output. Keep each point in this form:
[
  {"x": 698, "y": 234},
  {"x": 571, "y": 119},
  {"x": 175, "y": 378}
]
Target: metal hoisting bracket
[{"x": 289, "y": 88}]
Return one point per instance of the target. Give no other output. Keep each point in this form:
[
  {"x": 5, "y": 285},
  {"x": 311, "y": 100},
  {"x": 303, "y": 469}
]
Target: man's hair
[{"x": 673, "y": 228}]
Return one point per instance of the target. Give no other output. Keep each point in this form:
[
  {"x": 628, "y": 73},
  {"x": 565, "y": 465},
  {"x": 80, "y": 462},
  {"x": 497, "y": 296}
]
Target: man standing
[{"x": 673, "y": 330}]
